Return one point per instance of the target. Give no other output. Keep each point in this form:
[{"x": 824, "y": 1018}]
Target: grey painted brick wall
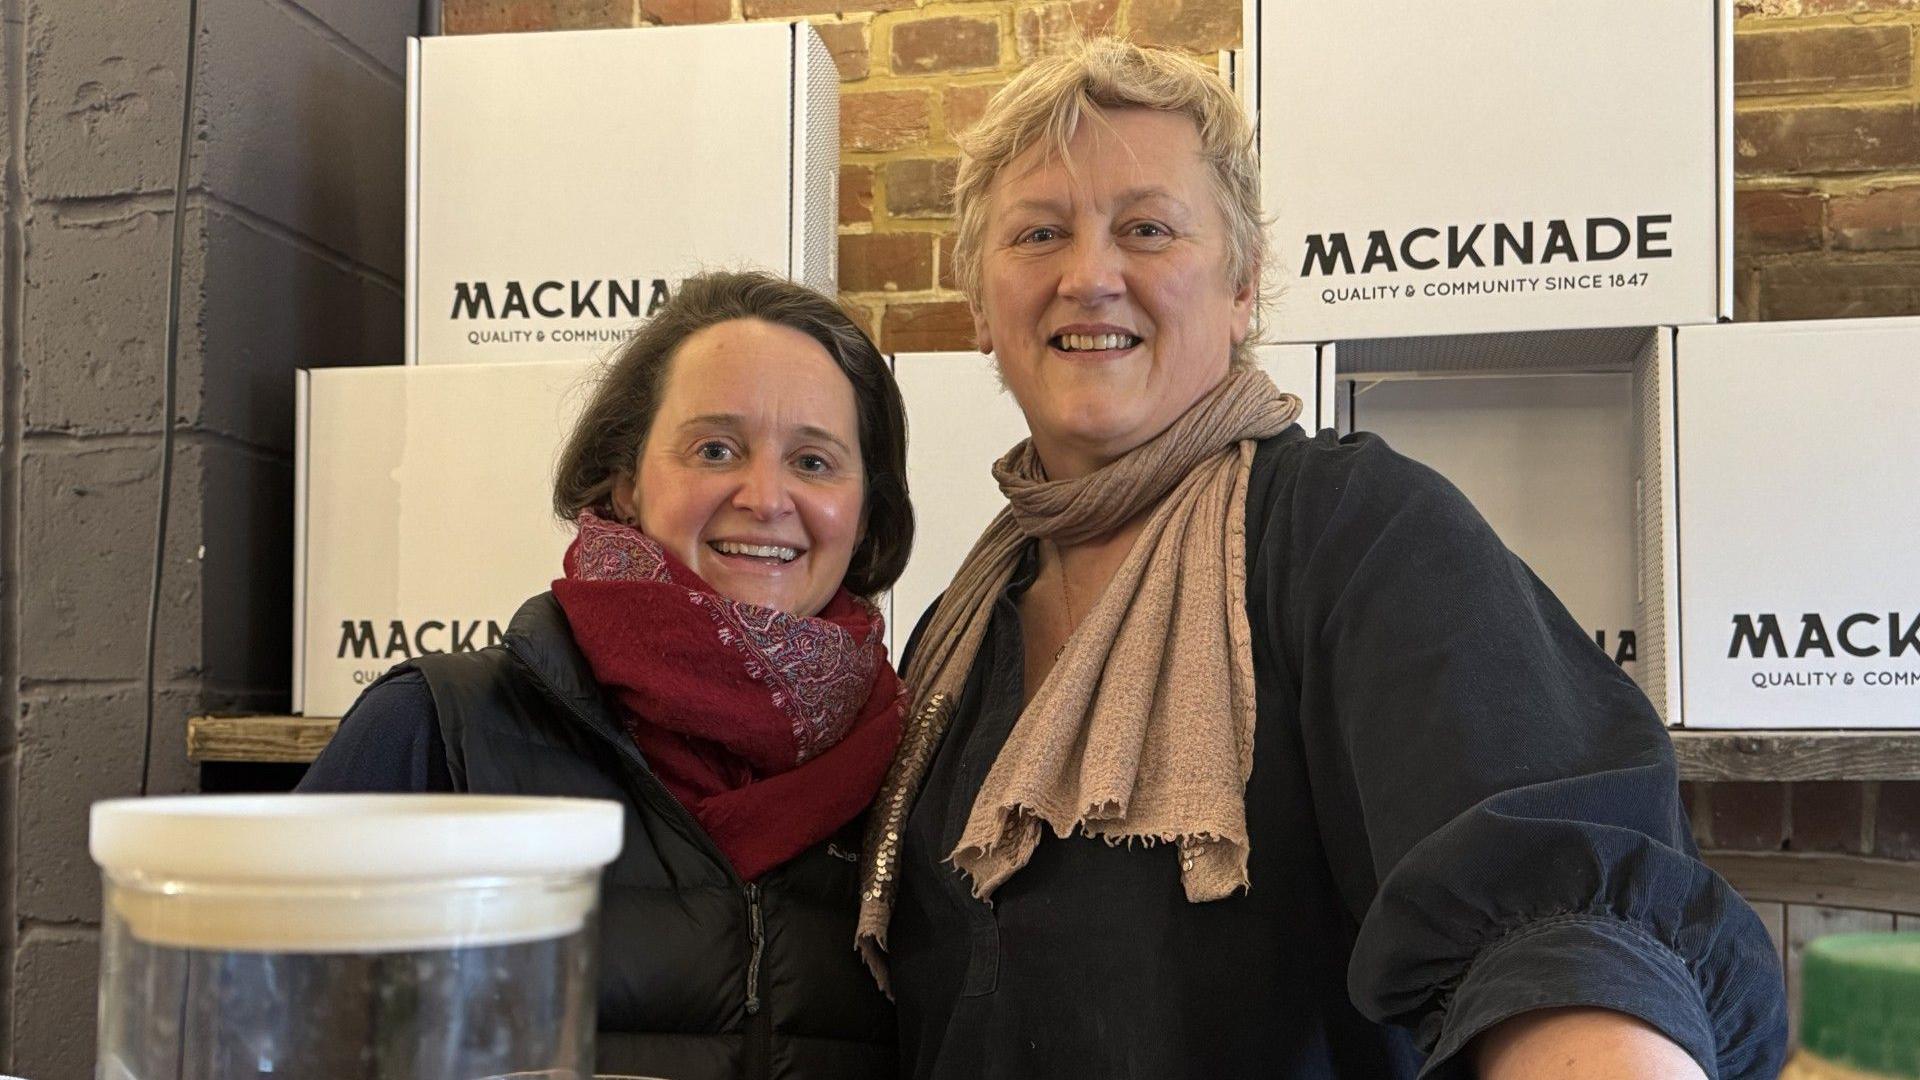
[
  {"x": 12, "y": 136},
  {"x": 295, "y": 227}
]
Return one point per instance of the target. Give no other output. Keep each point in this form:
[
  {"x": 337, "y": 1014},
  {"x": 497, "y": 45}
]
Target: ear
[
  {"x": 982, "y": 336},
  {"x": 1245, "y": 299},
  {"x": 626, "y": 503}
]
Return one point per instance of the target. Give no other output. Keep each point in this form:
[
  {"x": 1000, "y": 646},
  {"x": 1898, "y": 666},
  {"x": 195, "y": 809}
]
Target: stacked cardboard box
[
  {"x": 1494, "y": 236},
  {"x": 560, "y": 187},
  {"x": 1484, "y": 244}
]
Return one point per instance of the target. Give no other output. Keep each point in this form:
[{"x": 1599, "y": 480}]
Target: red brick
[
  {"x": 1896, "y": 825},
  {"x": 1038, "y": 31},
  {"x": 1746, "y": 292},
  {"x": 921, "y": 187},
  {"x": 685, "y": 12},
  {"x": 945, "y": 279},
  {"x": 951, "y": 43},
  {"x": 847, "y": 41},
  {"x": 964, "y": 105},
  {"x": 1793, "y": 9},
  {"x": 867, "y": 317},
  {"x": 1749, "y": 816},
  {"x": 1876, "y": 220},
  {"x": 1820, "y": 59},
  {"x": 1828, "y": 817},
  {"x": 940, "y": 326},
  {"x": 507, "y": 16},
  {"x": 883, "y": 120},
  {"x": 856, "y": 194},
  {"x": 1198, "y": 25},
  {"x": 1826, "y": 138},
  {"x": 1695, "y": 801},
  {"x": 886, "y": 262},
  {"x": 788, "y": 9},
  {"x": 1771, "y": 221},
  {"x": 1835, "y": 288}
]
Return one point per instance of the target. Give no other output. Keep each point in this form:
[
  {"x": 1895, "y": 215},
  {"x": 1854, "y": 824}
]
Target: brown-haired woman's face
[{"x": 751, "y": 473}]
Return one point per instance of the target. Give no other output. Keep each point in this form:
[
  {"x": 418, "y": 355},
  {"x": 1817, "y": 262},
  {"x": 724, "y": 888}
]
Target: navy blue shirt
[
  {"x": 1460, "y": 810},
  {"x": 389, "y": 741}
]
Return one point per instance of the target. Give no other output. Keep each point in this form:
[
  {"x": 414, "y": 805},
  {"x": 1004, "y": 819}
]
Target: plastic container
[
  {"x": 1859, "y": 1009},
  {"x": 351, "y": 937}
]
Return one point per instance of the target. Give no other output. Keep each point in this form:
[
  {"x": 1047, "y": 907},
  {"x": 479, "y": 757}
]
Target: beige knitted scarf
[{"x": 1143, "y": 730}]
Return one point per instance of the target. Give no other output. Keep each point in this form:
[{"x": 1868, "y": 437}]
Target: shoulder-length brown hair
[{"x": 607, "y": 438}]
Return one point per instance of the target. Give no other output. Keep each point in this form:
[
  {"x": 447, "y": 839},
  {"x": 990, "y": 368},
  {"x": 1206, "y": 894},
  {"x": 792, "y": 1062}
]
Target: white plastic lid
[
  {"x": 331, "y": 873},
  {"x": 335, "y": 838}
]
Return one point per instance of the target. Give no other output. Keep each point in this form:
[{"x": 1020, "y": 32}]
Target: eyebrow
[
  {"x": 1126, "y": 198},
  {"x": 735, "y": 421}
]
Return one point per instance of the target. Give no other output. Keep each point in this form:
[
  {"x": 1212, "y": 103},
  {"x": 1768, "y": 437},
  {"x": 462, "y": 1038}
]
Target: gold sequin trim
[{"x": 879, "y": 875}]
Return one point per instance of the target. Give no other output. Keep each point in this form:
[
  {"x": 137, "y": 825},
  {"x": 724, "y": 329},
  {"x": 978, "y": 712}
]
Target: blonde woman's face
[{"x": 1103, "y": 287}]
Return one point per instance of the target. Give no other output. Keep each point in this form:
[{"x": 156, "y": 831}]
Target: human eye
[
  {"x": 713, "y": 451},
  {"x": 1039, "y": 234},
  {"x": 1148, "y": 230},
  {"x": 813, "y": 464}
]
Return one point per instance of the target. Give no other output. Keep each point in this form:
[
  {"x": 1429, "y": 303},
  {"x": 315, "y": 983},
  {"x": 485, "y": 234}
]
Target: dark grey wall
[{"x": 293, "y": 258}]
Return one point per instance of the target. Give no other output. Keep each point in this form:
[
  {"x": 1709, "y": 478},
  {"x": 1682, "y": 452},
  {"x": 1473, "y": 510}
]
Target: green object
[{"x": 1860, "y": 1002}]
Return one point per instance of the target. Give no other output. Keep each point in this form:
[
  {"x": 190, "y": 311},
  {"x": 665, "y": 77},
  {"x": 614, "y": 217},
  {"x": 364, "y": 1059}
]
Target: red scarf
[{"x": 773, "y": 729}]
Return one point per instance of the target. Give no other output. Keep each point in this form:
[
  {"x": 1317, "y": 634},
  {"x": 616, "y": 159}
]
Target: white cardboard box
[
  {"x": 561, "y": 185},
  {"x": 1552, "y": 445},
  {"x": 960, "y": 420},
  {"x": 1471, "y": 166},
  {"x": 421, "y": 498},
  {"x": 421, "y": 513},
  {"x": 1798, "y": 527}
]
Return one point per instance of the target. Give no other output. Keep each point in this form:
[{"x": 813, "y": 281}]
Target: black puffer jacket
[{"x": 702, "y": 976}]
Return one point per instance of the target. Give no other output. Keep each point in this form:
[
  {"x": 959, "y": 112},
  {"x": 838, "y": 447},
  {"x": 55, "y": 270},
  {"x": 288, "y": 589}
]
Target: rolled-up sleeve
[{"x": 1498, "y": 800}]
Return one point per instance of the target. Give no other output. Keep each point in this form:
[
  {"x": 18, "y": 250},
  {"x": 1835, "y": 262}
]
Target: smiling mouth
[
  {"x": 770, "y": 554},
  {"x": 1086, "y": 343}
]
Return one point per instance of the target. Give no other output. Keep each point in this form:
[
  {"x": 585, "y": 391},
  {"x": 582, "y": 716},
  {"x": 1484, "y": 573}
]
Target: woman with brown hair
[
  {"x": 711, "y": 659},
  {"x": 1241, "y": 752}
]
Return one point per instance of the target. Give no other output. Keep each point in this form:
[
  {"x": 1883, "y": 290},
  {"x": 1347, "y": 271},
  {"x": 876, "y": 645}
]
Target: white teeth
[
  {"x": 758, "y": 551},
  {"x": 1096, "y": 342}
]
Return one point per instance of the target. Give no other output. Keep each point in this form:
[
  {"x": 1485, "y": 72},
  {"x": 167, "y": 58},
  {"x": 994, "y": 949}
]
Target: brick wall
[
  {"x": 1875, "y": 819},
  {"x": 910, "y": 76},
  {"x": 292, "y": 255},
  {"x": 1827, "y": 158},
  {"x": 1827, "y": 134}
]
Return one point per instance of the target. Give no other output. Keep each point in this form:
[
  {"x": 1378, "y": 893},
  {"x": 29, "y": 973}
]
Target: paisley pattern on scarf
[
  {"x": 610, "y": 552},
  {"x": 816, "y": 674}
]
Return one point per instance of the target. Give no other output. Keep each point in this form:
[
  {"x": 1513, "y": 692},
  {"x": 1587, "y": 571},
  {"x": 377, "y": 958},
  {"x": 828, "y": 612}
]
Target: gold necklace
[{"x": 1066, "y": 598}]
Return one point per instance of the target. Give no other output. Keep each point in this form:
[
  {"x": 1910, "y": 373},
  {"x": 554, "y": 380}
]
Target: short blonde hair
[{"x": 1047, "y": 102}]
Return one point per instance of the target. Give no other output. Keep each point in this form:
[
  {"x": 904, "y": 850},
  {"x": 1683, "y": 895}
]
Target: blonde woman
[{"x": 1237, "y": 751}]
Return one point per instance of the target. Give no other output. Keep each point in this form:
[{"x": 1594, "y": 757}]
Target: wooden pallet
[
  {"x": 1779, "y": 756},
  {"x": 258, "y": 738}
]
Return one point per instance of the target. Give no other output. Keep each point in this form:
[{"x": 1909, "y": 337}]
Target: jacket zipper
[
  {"x": 758, "y": 1060},
  {"x": 664, "y": 802},
  {"x": 757, "y": 937}
]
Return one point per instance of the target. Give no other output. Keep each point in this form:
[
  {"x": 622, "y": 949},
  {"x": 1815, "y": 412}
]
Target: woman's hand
[{"x": 1580, "y": 1044}]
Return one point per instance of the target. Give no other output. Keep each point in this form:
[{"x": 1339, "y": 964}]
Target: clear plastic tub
[{"x": 384, "y": 937}]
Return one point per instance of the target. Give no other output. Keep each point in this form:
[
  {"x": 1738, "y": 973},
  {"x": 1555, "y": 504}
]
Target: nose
[
  {"x": 1092, "y": 273},
  {"x": 763, "y": 490}
]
